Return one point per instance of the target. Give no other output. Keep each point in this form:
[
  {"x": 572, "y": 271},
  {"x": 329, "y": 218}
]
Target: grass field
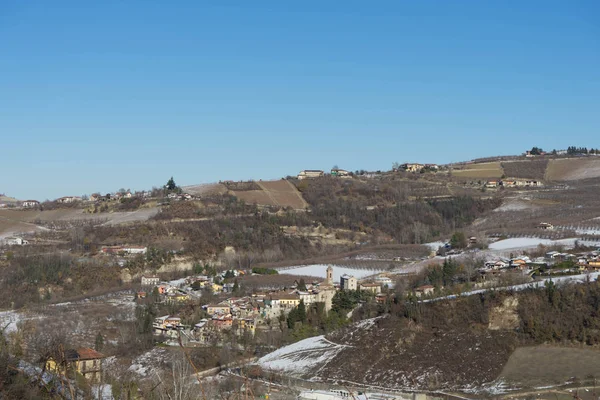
[
  {"x": 549, "y": 365},
  {"x": 568, "y": 169},
  {"x": 527, "y": 169},
  {"x": 477, "y": 171}
]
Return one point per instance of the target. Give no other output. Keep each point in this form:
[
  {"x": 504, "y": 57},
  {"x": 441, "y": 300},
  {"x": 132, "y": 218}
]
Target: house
[
  {"x": 284, "y": 300},
  {"x": 348, "y": 282},
  {"x": 134, "y": 249},
  {"x": 68, "y": 199},
  {"x": 424, "y": 290},
  {"x": 371, "y": 287},
  {"x": 95, "y": 197},
  {"x": 86, "y": 361},
  {"x": 213, "y": 309},
  {"x": 166, "y": 322},
  {"x": 491, "y": 184},
  {"x": 340, "y": 173},
  {"x": 472, "y": 240},
  {"x": 30, "y": 203},
  {"x": 310, "y": 173},
  {"x": 546, "y": 226},
  {"x": 412, "y": 167},
  {"x": 16, "y": 241},
  {"x": 150, "y": 280}
]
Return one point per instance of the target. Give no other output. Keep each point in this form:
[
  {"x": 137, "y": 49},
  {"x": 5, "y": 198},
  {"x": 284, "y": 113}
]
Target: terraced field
[
  {"x": 479, "y": 171},
  {"x": 569, "y": 169}
]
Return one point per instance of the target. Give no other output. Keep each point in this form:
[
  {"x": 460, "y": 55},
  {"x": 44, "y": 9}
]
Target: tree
[
  {"x": 99, "y": 345},
  {"x": 301, "y": 312},
  {"x": 536, "y": 151},
  {"x": 171, "y": 186},
  {"x": 236, "y": 287},
  {"x": 458, "y": 240},
  {"x": 302, "y": 285}
]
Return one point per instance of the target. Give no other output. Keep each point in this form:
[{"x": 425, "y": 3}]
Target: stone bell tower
[{"x": 329, "y": 279}]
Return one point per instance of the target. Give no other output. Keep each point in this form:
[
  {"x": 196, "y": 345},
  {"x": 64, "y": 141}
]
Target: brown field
[
  {"x": 568, "y": 169},
  {"x": 482, "y": 170},
  {"x": 547, "y": 365},
  {"x": 22, "y": 221},
  {"x": 527, "y": 169},
  {"x": 205, "y": 189},
  {"x": 280, "y": 193}
]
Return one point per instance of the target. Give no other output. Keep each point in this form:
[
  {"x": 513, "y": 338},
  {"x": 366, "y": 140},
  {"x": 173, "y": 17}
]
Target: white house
[
  {"x": 68, "y": 199},
  {"x": 16, "y": 241},
  {"x": 135, "y": 249},
  {"x": 150, "y": 280},
  {"x": 30, "y": 203},
  {"x": 310, "y": 173}
]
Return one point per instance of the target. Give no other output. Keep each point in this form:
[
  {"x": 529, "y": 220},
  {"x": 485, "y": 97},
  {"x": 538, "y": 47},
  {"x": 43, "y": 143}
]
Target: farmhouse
[
  {"x": 30, "y": 203},
  {"x": 68, "y": 199},
  {"x": 340, "y": 173},
  {"x": 491, "y": 184},
  {"x": 16, "y": 241},
  {"x": 86, "y": 361},
  {"x": 412, "y": 167},
  {"x": 310, "y": 173},
  {"x": 546, "y": 226},
  {"x": 424, "y": 290}
]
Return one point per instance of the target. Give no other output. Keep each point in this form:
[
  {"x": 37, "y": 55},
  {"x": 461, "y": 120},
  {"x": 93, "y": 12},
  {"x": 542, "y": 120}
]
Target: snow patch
[{"x": 320, "y": 271}]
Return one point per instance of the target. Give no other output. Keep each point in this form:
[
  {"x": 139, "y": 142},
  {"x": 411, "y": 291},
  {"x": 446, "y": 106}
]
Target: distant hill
[{"x": 7, "y": 200}]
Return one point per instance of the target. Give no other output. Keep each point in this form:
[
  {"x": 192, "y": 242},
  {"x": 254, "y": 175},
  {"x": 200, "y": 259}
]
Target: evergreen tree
[
  {"x": 99, "y": 342},
  {"x": 236, "y": 287},
  {"x": 302, "y": 285},
  {"x": 301, "y": 312},
  {"x": 170, "y": 186}
]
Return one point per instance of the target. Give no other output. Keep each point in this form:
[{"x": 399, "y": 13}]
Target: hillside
[
  {"x": 541, "y": 168},
  {"x": 472, "y": 344}
]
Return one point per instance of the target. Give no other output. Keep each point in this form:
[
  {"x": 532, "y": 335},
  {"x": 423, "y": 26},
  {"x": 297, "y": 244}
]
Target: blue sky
[{"x": 96, "y": 96}]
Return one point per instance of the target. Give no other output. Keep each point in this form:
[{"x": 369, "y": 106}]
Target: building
[
  {"x": 16, "y": 241},
  {"x": 424, "y": 290},
  {"x": 218, "y": 309},
  {"x": 329, "y": 276},
  {"x": 285, "y": 301},
  {"x": 340, "y": 173},
  {"x": 135, "y": 249},
  {"x": 348, "y": 282},
  {"x": 86, "y": 361},
  {"x": 412, "y": 167},
  {"x": 546, "y": 226},
  {"x": 310, "y": 173},
  {"x": 30, "y": 203},
  {"x": 371, "y": 287},
  {"x": 491, "y": 184},
  {"x": 68, "y": 199},
  {"x": 150, "y": 280}
]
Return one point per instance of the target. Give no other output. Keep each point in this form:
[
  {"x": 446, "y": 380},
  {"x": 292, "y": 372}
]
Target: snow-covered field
[
  {"x": 523, "y": 243},
  {"x": 303, "y": 358},
  {"x": 320, "y": 271}
]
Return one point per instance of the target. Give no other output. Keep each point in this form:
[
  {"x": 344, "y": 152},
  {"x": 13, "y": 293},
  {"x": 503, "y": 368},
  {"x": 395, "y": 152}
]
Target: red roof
[{"x": 84, "y": 353}]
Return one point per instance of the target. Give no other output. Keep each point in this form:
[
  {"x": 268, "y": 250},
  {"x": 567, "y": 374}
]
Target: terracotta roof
[{"x": 84, "y": 353}]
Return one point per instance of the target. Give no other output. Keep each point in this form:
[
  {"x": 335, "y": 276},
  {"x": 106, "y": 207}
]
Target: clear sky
[{"x": 96, "y": 96}]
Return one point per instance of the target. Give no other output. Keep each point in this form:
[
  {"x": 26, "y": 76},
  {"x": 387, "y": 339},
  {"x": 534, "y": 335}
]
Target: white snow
[
  {"x": 102, "y": 392},
  {"x": 320, "y": 271},
  {"x": 523, "y": 243},
  {"x": 9, "y": 320},
  {"x": 302, "y": 357}
]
